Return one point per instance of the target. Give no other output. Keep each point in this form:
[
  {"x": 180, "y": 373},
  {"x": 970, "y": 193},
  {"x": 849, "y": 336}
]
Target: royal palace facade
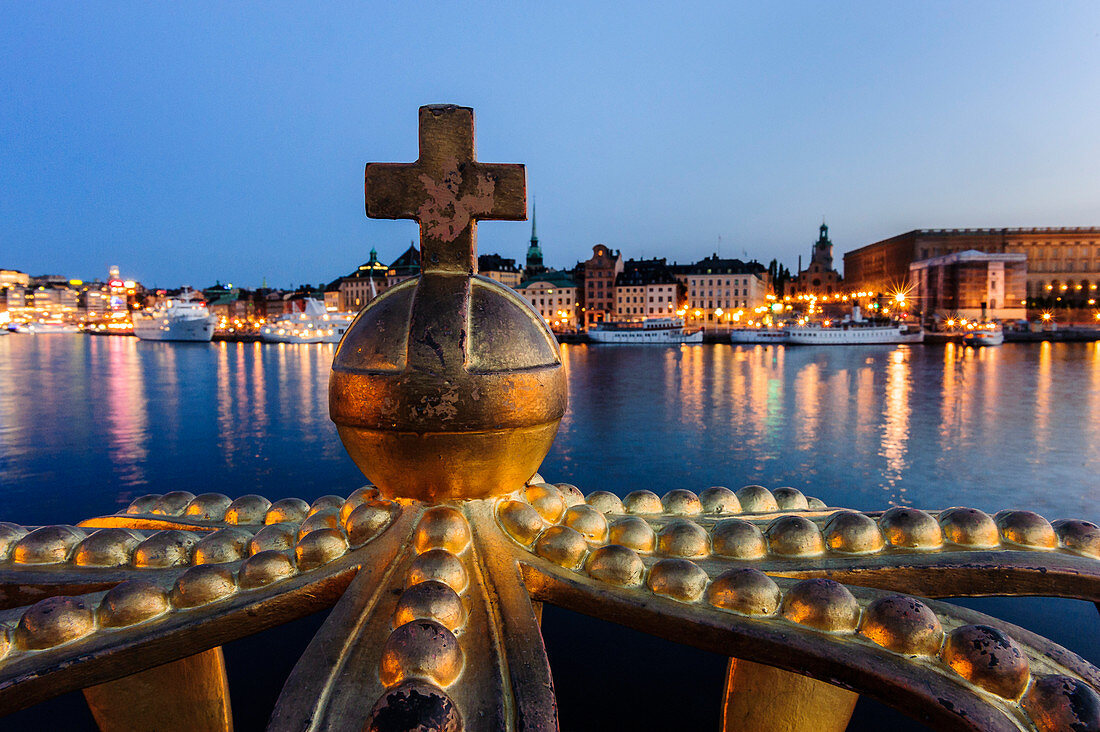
[{"x": 1059, "y": 260}]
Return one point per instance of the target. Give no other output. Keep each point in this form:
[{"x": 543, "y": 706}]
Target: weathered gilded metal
[
  {"x": 448, "y": 386},
  {"x": 436, "y": 582}
]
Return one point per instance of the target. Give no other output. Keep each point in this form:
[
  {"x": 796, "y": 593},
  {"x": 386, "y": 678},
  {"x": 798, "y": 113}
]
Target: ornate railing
[{"x": 447, "y": 392}]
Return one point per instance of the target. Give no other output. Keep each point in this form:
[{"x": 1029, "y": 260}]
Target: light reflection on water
[{"x": 89, "y": 423}]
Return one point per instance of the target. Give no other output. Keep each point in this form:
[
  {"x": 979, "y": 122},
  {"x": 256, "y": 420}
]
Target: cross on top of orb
[{"x": 447, "y": 190}]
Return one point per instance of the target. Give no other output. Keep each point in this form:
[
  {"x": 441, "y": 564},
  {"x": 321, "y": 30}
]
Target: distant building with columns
[{"x": 970, "y": 285}]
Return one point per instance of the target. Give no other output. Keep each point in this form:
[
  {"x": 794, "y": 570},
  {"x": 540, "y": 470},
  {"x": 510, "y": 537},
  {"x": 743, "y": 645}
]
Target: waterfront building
[
  {"x": 352, "y": 292},
  {"x": 1059, "y": 260},
  {"x": 647, "y": 288},
  {"x": 716, "y": 289},
  {"x": 13, "y": 277},
  {"x": 404, "y": 267},
  {"x": 534, "y": 252},
  {"x": 971, "y": 284},
  {"x": 496, "y": 267},
  {"x": 819, "y": 279},
  {"x": 54, "y": 302},
  {"x": 554, "y": 296},
  {"x": 599, "y": 275}
]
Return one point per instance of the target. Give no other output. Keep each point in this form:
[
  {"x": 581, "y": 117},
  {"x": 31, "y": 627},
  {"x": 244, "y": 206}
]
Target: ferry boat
[
  {"x": 44, "y": 327},
  {"x": 774, "y": 336},
  {"x": 853, "y": 330},
  {"x": 986, "y": 335},
  {"x": 176, "y": 320},
  {"x": 660, "y": 331},
  {"x": 313, "y": 325}
]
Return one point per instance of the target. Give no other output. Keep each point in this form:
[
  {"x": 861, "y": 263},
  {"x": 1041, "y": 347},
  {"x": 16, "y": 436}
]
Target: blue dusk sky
[{"x": 188, "y": 142}]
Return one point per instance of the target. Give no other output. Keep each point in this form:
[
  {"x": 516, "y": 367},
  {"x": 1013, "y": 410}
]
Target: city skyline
[{"x": 171, "y": 143}]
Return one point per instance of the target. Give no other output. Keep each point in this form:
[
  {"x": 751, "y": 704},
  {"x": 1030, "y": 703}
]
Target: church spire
[
  {"x": 534, "y": 252},
  {"x": 534, "y": 214}
]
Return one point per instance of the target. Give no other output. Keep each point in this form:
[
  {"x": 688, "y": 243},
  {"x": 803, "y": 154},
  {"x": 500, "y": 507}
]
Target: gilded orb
[{"x": 456, "y": 394}]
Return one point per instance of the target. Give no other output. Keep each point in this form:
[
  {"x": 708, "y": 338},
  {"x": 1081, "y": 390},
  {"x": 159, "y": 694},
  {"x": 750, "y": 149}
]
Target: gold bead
[
  {"x": 587, "y": 520},
  {"x": 910, "y": 528},
  {"x": 681, "y": 502},
  {"x": 570, "y": 493},
  {"x": 53, "y": 621},
  {"x": 794, "y": 536},
  {"x": 604, "y": 502},
  {"x": 201, "y": 585},
  {"x": 46, "y": 545},
  {"x": 816, "y": 504},
  {"x": 422, "y": 649},
  {"x": 616, "y": 565},
  {"x": 165, "y": 549},
  {"x": 535, "y": 479},
  {"x": 208, "y": 507},
  {"x": 562, "y": 545},
  {"x": 286, "y": 510},
  {"x": 822, "y": 604},
  {"x": 439, "y": 565},
  {"x": 1026, "y": 528},
  {"x": 442, "y": 527},
  {"x": 790, "y": 499},
  {"x": 987, "y": 658},
  {"x": 757, "y": 499},
  {"x": 366, "y": 494},
  {"x": 274, "y": 537},
  {"x": 106, "y": 548},
  {"x": 132, "y": 602},
  {"x": 369, "y": 520},
  {"x": 642, "y": 502},
  {"x": 1079, "y": 537},
  {"x": 904, "y": 625},
  {"x": 415, "y": 700},
  {"x": 172, "y": 504},
  {"x": 5, "y": 641},
  {"x": 326, "y": 518},
  {"x": 719, "y": 499},
  {"x": 326, "y": 503},
  {"x": 633, "y": 533},
  {"x": 679, "y": 579},
  {"x": 265, "y": 567},
  {"x": 745, "y": 591},
  {"x": 249, "y": 509},
  {"x": 221, "y": 546},
  {"x": 9, "y": 534},
  {"x": 547, "y": 500},
  {"x": 969, "y": 527},
  {"x": 1057, "y": 703},
  {"x": 683, "y": 538},
  {"x": 849, "y": 532},
  {"x": 520, "y": 520},
  {"x": 320, "y": 547},
  {"x": 142, "y": 505},
  {"x": 738, "y": 539},
  {"x": 430, "y": 601}
]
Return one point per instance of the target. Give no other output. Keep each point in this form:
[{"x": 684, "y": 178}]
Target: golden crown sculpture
[{"x": 447, "y": 392}]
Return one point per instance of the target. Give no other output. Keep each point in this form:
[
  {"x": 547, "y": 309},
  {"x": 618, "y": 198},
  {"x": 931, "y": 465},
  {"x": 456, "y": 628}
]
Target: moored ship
[
  {"x": 657, "y": 331},
  {"x": 985, "y": 335},
  {"x": 176, "y": 320},
  {"x": 313, "y": 325},
  {"x": 854, "y": 331},
  {"x": 774, "y": 335}
]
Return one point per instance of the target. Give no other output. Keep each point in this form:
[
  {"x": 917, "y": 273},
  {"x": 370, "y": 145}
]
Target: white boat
[
  {"x": 852, "y": 333},
  {"x": 176, "y": 320},
  {"x": 772, "y": 336},
  {"x": 986, "y": 335},
  {"x": 314, "y": 325},
  {"x": 652, "y": 330},
  {"x": 45, "y": 327}
]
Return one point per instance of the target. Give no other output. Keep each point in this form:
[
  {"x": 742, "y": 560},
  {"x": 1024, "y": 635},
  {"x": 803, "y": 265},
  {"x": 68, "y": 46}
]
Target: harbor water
[{"x": 87, "y": 424}]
